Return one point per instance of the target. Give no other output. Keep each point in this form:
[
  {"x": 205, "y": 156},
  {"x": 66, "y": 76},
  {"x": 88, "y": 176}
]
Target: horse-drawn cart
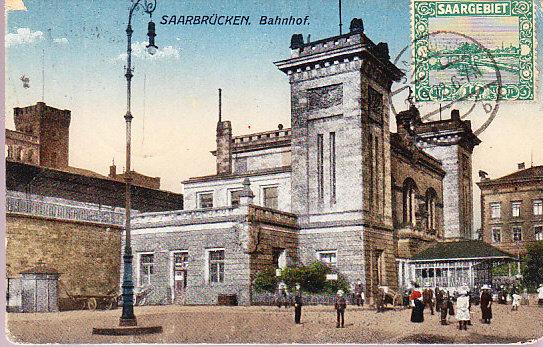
[{"x": 108, "y": 301}]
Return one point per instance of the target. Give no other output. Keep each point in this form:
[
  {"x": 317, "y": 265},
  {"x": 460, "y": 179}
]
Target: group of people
[{"x": 440, "y": 299}]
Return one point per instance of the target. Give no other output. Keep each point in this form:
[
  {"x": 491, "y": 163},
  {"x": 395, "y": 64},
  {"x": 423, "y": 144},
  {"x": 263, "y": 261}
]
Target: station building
[{"x": 337, "y": 186}]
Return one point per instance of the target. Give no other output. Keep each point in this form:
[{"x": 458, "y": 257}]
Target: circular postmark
[{"x": 461, "y": 69}]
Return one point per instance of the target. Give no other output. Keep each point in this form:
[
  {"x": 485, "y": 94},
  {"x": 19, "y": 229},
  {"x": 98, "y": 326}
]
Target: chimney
[
  {"x": 112, "y": 169},
  {"x": 521, "y": 166},
  {"x": 224, "y": 143},
  {"x": 483, "y": 175},
  {"x": 455, "y": 115}
]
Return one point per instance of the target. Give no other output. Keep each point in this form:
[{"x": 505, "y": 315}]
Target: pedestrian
[
  {"x": 282, "y": 295},
  {"x": 359, "y": 293},
  {"x": 380, "y": 299},
  {"x": 502, "y": 296},
  {"x": 525, "y": 297},
  {"x": 340, "y": 306},
  {"x": 444, "y": 306},
  {"x": 515, "y": 302},
  {"x": 462, "y": 310},
  {"x": 439, "y": 298},
  {"x": 427, "y": 297},
  {"x": 298, "y": 302},
  {"x": 486, "y": 304},
  {"x": 417, "y": 312},
  {"x": 540, "y": 295}
]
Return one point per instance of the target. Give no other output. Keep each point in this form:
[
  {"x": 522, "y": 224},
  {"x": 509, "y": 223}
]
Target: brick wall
[{"x": 86, "y": 254}]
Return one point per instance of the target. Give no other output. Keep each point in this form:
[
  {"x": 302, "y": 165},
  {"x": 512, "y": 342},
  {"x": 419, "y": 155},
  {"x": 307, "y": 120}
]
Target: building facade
[
  {"x": 512, "y": 209},
  {"x": 360, "y": 198},
  {"x": 69, "y": 218}
]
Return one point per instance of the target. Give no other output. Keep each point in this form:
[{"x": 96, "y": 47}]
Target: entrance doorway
[{"x": 179, "y": 276}]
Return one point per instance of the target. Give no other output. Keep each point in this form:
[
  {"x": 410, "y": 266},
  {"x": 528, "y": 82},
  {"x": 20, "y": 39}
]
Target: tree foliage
[
  {"x": 312, "y": 279},
  {"x": 533, "y": 270}
]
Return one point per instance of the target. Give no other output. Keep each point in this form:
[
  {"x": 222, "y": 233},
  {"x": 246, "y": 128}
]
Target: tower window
[
  {"x": 333, "y": 167},
  {"x": 375, "y": 105},
  {"x": 320, "y": 166}
]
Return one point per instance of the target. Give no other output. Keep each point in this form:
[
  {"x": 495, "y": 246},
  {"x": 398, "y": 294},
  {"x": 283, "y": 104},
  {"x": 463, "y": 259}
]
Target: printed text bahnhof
[{"x": 216, "y": 19}]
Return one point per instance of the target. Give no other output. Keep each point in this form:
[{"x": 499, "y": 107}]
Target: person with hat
[
  {"x": 540, "y": 295},
  {"x": 515, "y": 303},
  {"x": 486, "y": 304},
  {"x": 359, "y": 293},
  {"x": 298, "y": 302},
  {"x": 340, "y": 306},
  {"x": 439, "y": 298},
  {"x": 462, "y": 309},
  {"x": 427, "y": 297},
  {"x": 380, "y": 299},
  {"x": 417, "y": 312},
  {"x": 444, "y": 305}
]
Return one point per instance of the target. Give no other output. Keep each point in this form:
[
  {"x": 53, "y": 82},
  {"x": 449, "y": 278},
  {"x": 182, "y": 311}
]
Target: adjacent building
[
  {"x": 337, "y": 186},
  {"x": 512, "y": 209},
  {"x": 70, "y": 219}
]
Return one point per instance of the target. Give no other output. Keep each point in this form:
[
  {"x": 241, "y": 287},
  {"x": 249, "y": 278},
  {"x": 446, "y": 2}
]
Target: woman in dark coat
[
  {"x": 417, "y": 313},
  {"x": 486, "y": 304}
]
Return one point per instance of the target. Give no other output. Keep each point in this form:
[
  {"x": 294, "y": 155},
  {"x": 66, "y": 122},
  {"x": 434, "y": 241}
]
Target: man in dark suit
[
  {"x": 298, "y": 302},
  {"x": 427, "y": 298},
  {"x": 340, "y": 306}
]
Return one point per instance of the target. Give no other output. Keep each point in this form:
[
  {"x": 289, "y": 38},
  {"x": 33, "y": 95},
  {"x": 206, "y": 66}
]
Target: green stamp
[{"x": 473, "y": 50}]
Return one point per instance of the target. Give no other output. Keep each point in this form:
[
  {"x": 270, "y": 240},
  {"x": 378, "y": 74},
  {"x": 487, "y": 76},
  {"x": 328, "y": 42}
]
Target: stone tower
[
  {"x": 452, "y": 141},
  {"x": 52, "y": 128},
  {"x": 340, "y": 90}
]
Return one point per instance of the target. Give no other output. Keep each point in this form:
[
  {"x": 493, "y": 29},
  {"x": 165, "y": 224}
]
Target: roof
[
  {"x": 270, "y": 171},
  {"x": 533, "y": 172},
  {"x": 468, "y": 249}
]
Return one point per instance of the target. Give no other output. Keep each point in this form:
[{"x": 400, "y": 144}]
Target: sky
[{"x": 79, "y": 45}]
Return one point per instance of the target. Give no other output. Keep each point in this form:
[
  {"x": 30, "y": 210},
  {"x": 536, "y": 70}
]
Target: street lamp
[{"x": 148, "y": 6}]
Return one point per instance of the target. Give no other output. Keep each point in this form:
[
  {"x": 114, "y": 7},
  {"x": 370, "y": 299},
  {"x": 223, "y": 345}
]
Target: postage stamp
[{"x": 473, "y": 50}]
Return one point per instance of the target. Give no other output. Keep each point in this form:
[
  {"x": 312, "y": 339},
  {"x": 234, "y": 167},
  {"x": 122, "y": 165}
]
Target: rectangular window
[
  {"x": 333, "y": 168},
  {"x": 495, "y": 210},
  {"x": 234, "y": 197},
  {"x": 517, "y": 233},
  {"x": 515, "y": 208},
  {"x": 205, "y": 200},
  {"x": 538, "y": 230},
  {"x": 146, "y": 268},
  {"x": 328, "y": 257},
  {"x": 271, "y": 197},
  {"x": 320, "y": 166},
  {"x": 538, "y": 207},
  {"x": 375, "y": 105},
  {"x": 216, "y": 266},
  {"x": 496, "y": 235}
]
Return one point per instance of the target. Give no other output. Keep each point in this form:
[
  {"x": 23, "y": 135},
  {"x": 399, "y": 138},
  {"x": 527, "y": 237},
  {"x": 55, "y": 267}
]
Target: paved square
[{"x": 212, "y": 324}]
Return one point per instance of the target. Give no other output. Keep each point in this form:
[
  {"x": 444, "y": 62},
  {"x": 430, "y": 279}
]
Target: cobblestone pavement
[{"x": 212, "y": 324}]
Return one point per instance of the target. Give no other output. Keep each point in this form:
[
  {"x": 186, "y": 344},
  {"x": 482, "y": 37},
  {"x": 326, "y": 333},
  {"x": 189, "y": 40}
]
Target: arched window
[
  {"x": 431, "y": 200},
  {"x": 409, "y": 202}
]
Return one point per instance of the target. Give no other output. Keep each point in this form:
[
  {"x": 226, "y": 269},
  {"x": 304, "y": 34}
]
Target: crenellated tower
[{"x": 340, "y": 90}]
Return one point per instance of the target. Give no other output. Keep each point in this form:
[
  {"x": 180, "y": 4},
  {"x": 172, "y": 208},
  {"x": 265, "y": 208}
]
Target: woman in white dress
[
  {"x": 516, "y": 302},
  {"x": 462, "y": 310}
]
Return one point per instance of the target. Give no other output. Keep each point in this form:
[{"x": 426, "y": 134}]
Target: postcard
[{"x": 286, "y": 172}]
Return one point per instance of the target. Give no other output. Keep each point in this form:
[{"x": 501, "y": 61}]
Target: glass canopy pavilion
[{"x": 453, "y": 263}]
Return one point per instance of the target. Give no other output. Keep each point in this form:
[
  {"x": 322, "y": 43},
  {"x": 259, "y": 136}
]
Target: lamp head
[{"x": 151, "y": 47}]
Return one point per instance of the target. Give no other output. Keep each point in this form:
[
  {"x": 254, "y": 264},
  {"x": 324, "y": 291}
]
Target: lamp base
[
  {"x": 128, "y": 322},
  {"x": 127, "y": 330}
]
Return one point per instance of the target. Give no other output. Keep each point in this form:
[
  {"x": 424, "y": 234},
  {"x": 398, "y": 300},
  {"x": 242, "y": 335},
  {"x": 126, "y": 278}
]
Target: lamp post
[{"x": 148, "y": 6}]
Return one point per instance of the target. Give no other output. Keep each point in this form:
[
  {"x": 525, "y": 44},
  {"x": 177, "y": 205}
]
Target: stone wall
[{"x": 86, "y": 254}]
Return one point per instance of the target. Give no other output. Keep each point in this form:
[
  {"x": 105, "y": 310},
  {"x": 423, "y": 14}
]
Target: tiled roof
[
  {"x": 469, "y": 249},
  {"x": 532, "y": 172}
]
